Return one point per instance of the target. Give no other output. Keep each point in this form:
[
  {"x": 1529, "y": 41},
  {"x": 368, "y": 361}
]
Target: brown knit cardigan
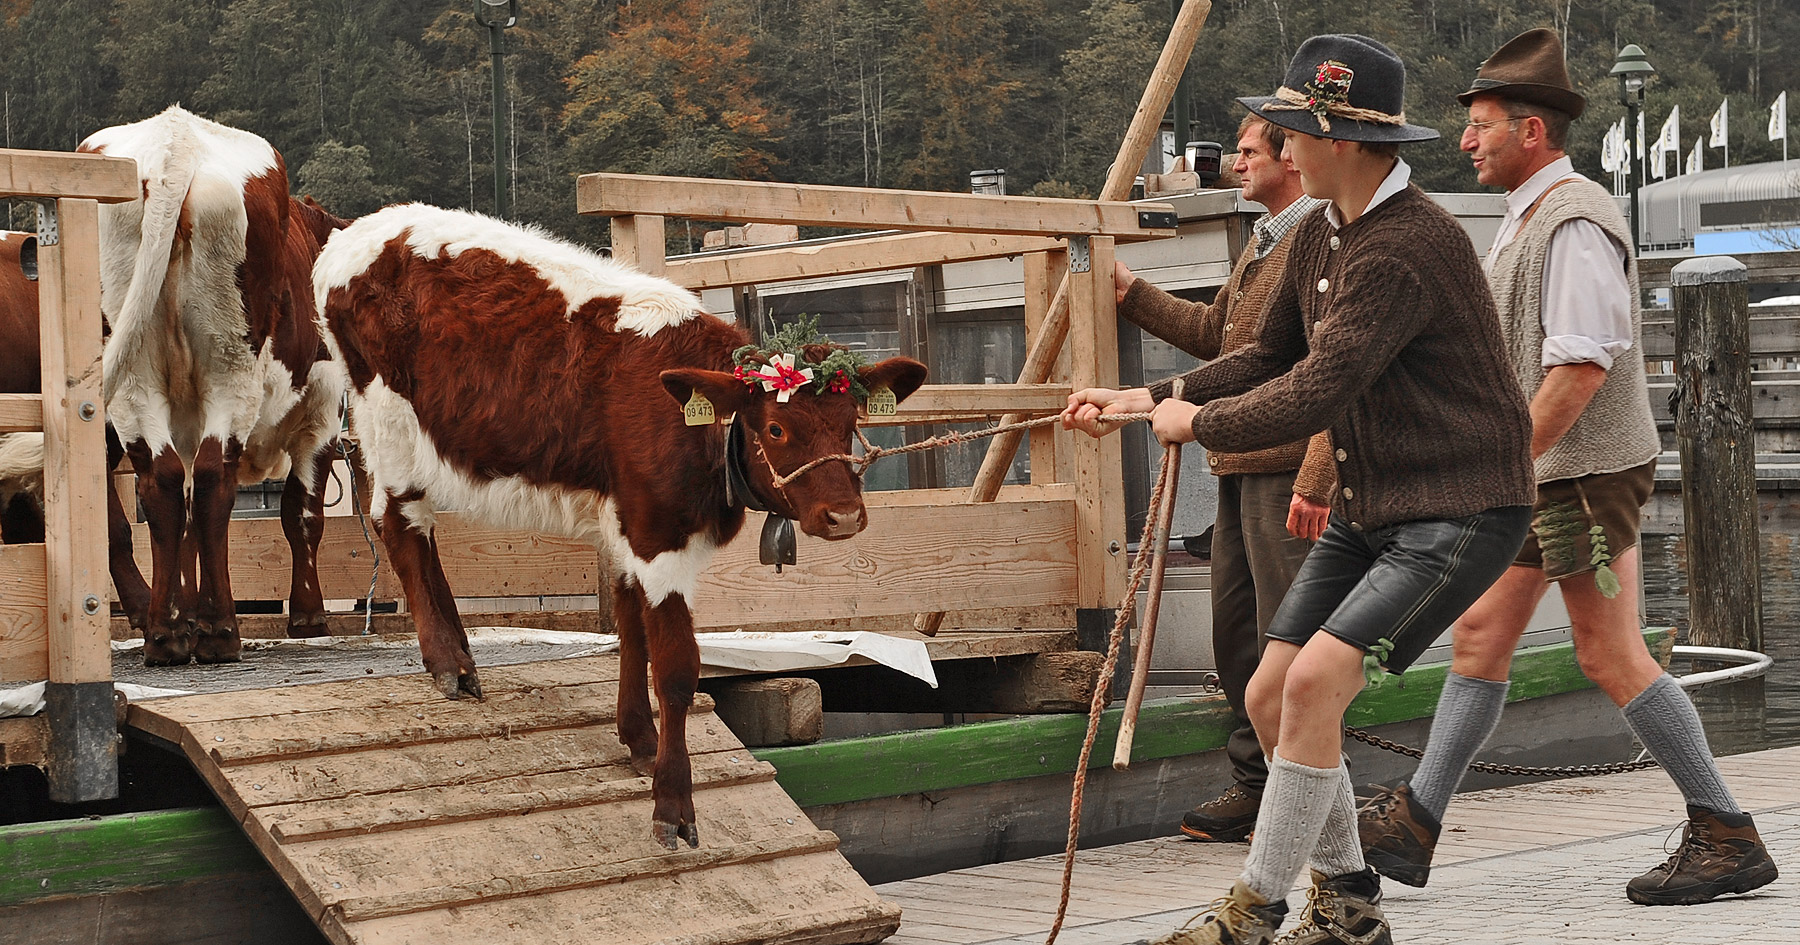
[
  {"x": 1384, "y": 332},
  {"x": 1229, "y": 323}
]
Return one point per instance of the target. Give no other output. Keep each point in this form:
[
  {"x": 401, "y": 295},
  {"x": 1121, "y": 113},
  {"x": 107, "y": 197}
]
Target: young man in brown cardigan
[
  {"x": 1273, "y": 502},
  {"x": 1383, "y": 332}
]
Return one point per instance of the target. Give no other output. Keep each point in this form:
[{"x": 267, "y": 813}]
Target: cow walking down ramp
[
  {"x": 502, "y": 372},
  {"x": 399, "y": 818},
  {"x": 214, "y": 372}
]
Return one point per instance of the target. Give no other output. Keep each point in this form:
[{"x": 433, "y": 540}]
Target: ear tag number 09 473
[
  {"x": 698, "y": 411},
  {"x": 883, "y": 403}
]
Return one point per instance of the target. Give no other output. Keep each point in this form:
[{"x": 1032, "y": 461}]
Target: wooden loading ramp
[{"x": 396, "y": 816}]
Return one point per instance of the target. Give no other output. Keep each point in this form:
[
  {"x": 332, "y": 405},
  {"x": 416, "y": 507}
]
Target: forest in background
[{"x": 374, "y": 101}]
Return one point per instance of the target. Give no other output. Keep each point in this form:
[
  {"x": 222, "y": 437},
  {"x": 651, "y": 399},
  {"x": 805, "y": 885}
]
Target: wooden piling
[{"x": 1718, "y": 451}]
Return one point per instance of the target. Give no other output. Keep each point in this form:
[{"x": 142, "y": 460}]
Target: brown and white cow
[
  {"x": 502, "y": 372},
  {"x": 215, "y": 373}
]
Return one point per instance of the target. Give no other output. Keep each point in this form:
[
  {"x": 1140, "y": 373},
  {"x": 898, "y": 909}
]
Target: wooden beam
[
  {"x": 844, "y": 257},
  {"x": 1094, "y": 362},
  {"x": 738, "y": 201},
  {"x": 24, "y": 646},
  {"x": 1050, "y": 462},
  {"x": 961, "y": 403},
  {"x": 67, "y": 174},
  {"x": 769, "y": 712},
  {"x": 21, "y": 413},
  {"x": 638, "y": 241}
]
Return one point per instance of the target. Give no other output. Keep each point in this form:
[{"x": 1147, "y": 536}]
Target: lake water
[{"x": 1755, "y": 714}]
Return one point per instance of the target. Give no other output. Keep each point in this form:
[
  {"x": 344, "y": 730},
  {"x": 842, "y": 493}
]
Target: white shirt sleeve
[{"x": 1587, "y": 300}]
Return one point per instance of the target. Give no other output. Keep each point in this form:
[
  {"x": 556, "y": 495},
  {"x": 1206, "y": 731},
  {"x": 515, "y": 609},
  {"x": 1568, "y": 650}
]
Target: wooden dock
[{"x": 1544, "y": 862}]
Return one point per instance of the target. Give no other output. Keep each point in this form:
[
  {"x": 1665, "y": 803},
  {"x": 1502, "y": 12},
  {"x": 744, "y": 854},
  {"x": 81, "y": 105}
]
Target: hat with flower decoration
[
  {"x": 1342, "y": 86},
  {"x": 796, "y": 356}
]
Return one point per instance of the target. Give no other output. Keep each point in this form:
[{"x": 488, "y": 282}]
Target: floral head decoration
[{"x": 798, "y": 355}]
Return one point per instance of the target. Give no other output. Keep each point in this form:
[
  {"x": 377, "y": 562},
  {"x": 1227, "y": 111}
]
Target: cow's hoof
[
  {"x": 218, "y": 646},
  {"x": 669, "y": 834},
  {"x": 308, "y": 625},
  {"x": 454, "y": 684},
  {"x": 165, "y": 656}
]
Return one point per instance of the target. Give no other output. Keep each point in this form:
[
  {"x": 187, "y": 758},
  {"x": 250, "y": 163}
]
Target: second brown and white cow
[
  {"x": 502, "y": 372},
  {"x": 215, "y": 373}
]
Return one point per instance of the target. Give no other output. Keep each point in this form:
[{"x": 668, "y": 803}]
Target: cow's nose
[{"x": 845, "y": 523}]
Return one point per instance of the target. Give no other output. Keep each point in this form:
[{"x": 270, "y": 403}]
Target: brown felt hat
[{"x": 1529, "y": 68}]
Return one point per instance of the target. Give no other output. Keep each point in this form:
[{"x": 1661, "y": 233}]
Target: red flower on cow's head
[{"x": 840, "y": 382}]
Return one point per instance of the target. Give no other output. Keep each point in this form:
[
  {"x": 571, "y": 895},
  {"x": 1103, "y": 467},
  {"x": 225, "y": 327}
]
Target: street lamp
[
  {"x": 1633, "y": 70},
  {"x": 497, "y": 15}
]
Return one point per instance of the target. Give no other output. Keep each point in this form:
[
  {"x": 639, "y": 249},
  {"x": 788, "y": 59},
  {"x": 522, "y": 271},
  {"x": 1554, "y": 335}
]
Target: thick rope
[
  {"x": 1103, "y": 688},
  {"x": 1300, "y": 101},
  {"x": 871, "y": 452}
]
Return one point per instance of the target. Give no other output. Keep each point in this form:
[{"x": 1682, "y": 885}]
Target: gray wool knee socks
[
  {"x": 1295, "y": 804},
  {"x": 1663, "y": 718},
  {"x": 1468, "y": 712},
  {"x": 1339, "y": 850}
]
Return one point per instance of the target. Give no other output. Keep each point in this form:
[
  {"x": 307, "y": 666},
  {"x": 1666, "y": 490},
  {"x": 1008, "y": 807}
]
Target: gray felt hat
[{"x": 1342, "y": 86}]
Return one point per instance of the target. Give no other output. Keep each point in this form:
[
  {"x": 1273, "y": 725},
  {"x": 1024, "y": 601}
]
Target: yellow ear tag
[
  {"x": 698, "y": 411},
  {"x": 883, "y": 403}
]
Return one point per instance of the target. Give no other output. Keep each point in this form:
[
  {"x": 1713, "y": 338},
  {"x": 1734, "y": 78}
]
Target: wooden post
[
  {"x": 1718, "y": 451},
  {"x": 637, "y": 241},
  {"x": 83, "y": 762},
  {"x": 1044, "y": 272}
]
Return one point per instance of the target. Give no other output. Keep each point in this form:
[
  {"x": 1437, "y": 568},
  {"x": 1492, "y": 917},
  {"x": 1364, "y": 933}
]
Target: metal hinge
[
  {"x": 46, "y": 214},
  {"x": 1081, "y": 255}
]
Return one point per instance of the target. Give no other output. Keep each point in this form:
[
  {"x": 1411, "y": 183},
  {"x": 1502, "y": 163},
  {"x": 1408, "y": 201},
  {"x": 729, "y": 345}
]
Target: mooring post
[{"x": 1711, "y": 404}]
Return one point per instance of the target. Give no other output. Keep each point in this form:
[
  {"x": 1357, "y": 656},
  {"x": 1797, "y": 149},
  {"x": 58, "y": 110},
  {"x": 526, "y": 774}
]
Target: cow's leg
[
  {"x": 303, "y": 522},
  {"x": 128, "y": 581},
  {"x": 637, "y": 730},
  {"x": 161, "y": 479},
  {"x": 215, "y": 493},
  {"x": 412, "y": 550},
  {"x": 675, "y": 664}
]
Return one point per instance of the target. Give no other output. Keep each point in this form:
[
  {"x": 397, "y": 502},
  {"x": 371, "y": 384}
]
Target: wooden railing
[{"x": 53, "y": 596}]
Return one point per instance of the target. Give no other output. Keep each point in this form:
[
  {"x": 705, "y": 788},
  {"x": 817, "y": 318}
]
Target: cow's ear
[
  {"x": 900, "y": 375},
  {"x": 728, "y": 394}
]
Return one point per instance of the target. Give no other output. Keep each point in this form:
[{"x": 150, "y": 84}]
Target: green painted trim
[
  {"x": 126, "y": 851},
  {"x": 856, "y": 769}
]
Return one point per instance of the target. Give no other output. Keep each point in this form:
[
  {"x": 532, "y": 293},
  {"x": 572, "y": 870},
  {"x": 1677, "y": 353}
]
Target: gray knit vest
[{"x": 1616, "y": 431}]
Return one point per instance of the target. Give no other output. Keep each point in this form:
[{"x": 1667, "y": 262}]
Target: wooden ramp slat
[{"x": 396, "y": 816}]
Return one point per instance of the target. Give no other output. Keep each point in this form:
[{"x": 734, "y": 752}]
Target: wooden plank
[
  {"x": 888, "y": 566},
  {"x": 74, "y": 440},
  {"x": 1048, "y": 492},
  {"x": 1772, "y": 335},
  {"x": 21, "y": 413},
  {"x": 67, "y": 174},
  {"x": 961, "y": 403},
  {"x": 525, "y": 794},
  {"x": 769, "y": 712},
  {"x": 799, "y": 900},
  {"x": 116, "y": 851},
  {"x": 24, "y": 625},
  {"x": 1050, "y": 447},
  {"x": 735, "y": 201},
  {"x": 638, "y": 241},
  {"x": 1094, "y": 362},
  {"x": 23, "y": 742},
  {"x": 472, "y": 763},
  {"x": 877, "y": 253},
  {"x": 238, "y": 907}
]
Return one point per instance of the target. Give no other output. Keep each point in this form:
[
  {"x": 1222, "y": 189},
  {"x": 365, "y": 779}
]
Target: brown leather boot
[
  {"x": 1720, "y": 853},
  {"x": 1228, "y": 818},
  {"x": 1240, "y": 917},
  {"x": 1398, "y": 835},
  {"x": 1342, "y": 910}
]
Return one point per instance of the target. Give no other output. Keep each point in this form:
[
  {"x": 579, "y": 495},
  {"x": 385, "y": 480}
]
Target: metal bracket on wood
[
  {"x": 1158, "y": 219},
  {"x": 46, "y": 214},
  {"x": 1081, "y": 255}
]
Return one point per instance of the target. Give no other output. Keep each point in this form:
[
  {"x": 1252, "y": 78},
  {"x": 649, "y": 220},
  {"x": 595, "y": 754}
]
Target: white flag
[
  {"x": 1609, "y": 149},
  {"x": 1778, "y": 118},
  {"x": 1639, "y": 150},
  {"x": 1718, "y": 126},
  {"x": 1668, "y": 141},
  {"x": 1695, "y": 163}
]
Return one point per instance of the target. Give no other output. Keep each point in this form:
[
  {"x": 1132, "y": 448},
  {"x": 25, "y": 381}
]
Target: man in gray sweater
[
  {"x": 1383, "y": 331},
  {"x": 1565, "y": 281}
]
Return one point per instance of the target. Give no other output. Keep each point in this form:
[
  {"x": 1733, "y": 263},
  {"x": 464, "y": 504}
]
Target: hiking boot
[
  {"x": 1240, "y": 917},
  {"x": 1720, "y": 853},
  {"x": 1398, "y": 834},
  {"x": 1228, "y": 818},
  {"x": 1342, "y": 910}
]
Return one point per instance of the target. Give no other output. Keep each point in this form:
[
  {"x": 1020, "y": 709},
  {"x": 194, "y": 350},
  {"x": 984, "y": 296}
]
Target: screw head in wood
[
  {"x": 91, "y": 604},
  {"x": 88, "y": 411}
]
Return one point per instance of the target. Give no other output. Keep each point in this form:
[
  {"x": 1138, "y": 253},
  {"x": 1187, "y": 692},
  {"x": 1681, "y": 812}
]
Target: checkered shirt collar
[{"x": 1271, "y": 227}]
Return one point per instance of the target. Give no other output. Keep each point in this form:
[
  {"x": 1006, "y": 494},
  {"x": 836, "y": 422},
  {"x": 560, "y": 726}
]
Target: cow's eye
[{"x": 775, "y": 431}]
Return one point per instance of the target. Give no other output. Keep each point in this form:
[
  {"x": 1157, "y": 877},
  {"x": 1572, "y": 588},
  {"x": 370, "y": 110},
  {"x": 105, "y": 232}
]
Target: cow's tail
[{"x": 168, "y": 173}]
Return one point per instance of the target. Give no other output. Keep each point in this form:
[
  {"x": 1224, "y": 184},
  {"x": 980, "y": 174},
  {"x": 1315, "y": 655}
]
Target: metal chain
[{"x": 1518, "y": 771}]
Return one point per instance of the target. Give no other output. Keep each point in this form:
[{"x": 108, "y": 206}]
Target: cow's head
[{"x": 782, "y": 433}]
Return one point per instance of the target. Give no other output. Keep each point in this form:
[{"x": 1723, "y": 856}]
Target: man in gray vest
[{"x": 1566, "y": 284}]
